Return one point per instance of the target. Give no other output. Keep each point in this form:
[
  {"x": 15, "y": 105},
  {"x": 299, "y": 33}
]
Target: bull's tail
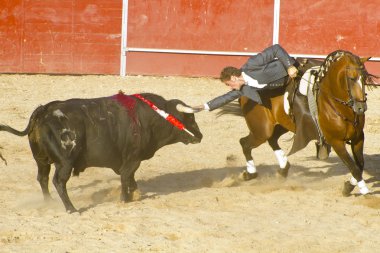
[
  {"x": 15, "y": 131},
  {"x": 28, "y": 128}
]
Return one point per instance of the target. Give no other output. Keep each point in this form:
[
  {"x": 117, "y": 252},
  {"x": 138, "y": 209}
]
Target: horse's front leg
[
  {"x": 356, "y": 179},
  {"x": 357, "y": 148},
  {"x": 357, "y": 151}
]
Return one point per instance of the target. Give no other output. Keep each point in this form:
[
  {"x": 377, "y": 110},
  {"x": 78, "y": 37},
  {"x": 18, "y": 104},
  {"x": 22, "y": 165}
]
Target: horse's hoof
[
  {"x": 284, "y": 172},
  {"x": 323, "y": 151},
  {"x": 347, "y": 189},
  {"x": 248, "y": 176}
]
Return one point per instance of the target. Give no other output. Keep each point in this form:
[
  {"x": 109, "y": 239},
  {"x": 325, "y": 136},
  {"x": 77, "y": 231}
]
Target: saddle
[{"x": 302, "y": 106}]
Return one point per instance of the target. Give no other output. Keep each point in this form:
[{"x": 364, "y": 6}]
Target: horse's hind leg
[
  {"x": 247, "y": 144},
  {"x": 279, "y": 153}
]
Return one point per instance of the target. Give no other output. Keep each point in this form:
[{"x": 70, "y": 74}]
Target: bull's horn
[
  {"x": 185, "y": 109},
  {"x": 188, "y": 109}
]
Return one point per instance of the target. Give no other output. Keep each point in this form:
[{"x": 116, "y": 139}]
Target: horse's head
[
  {"x": 355, "y": 78},
  {"x": 347, "y": 79}
]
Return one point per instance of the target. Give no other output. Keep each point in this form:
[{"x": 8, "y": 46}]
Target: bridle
[{"x": 359, "y": 106}]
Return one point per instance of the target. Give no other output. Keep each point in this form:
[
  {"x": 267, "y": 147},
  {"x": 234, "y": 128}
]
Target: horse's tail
[
  {"x": 28, "y": 128},
  {"x": 232, "y": 108}
]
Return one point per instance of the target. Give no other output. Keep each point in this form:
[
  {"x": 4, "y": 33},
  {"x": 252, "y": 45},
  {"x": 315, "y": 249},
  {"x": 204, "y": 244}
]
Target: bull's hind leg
[
  {"x": 279, "y": 153},
  {"x": 43, "y": 169},
  {"x": 43, "y": 179},
  {"x": 61, "y": 176}
]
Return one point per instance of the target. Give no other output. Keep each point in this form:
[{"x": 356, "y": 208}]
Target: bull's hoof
[
  {"x": 284, "y": 172},
  {"x": 347, "y": 189},
  {"x": 71, "y": 210},
  {"x": 126, "y": 197},
  {"x": 48, "y": 198},
  {"x": 248, "y": 176}
]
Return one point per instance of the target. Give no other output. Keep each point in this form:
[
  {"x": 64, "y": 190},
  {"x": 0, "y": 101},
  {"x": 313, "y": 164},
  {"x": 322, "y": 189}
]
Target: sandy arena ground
[{"x": 191, "y": 197}]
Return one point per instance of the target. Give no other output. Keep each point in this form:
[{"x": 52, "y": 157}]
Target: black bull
[{"x": 116, "y": 132}]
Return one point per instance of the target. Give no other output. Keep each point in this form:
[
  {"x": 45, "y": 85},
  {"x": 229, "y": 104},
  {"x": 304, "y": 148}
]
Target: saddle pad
[{"x": 307, "y": 80}]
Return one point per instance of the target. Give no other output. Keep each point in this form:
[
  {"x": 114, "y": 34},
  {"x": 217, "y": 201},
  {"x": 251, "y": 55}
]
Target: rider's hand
[{"x": 292, "y": 71}]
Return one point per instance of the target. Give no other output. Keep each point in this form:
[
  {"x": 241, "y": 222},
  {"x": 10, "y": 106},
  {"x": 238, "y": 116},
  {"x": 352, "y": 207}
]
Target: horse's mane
[
  {"x": 331, "y": 58},
  {"x": 370, "y": 79},
  {"x": 336, "y": 56}
]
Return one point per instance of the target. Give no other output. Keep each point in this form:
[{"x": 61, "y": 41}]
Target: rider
[
  {"x": 266, "y": 70},
  {"x": 269, "y": 69}
]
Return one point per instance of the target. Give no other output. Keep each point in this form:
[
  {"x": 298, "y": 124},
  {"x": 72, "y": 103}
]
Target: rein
[
  {"x": 348, "y": 103},
  {"x": 354, "y": 123},
  {"x": 170, "y": 118}
]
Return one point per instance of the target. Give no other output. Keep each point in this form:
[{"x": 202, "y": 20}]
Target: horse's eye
[{"x": 354, "y": 78}]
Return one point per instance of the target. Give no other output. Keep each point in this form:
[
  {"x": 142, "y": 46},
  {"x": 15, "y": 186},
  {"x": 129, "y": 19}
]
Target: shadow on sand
[{"x": 214, "y": 177}]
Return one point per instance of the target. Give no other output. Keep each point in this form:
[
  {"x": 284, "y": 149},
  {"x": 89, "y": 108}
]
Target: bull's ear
[{"x": 364, "y": 59}]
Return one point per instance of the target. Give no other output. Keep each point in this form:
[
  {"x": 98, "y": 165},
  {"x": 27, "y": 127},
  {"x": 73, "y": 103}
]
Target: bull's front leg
[{"x": 128, "y": 183}]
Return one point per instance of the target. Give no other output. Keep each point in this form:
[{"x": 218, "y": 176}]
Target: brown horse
[
  {"x": 341, "y": 103},
  {"x": 269, "y": 121}
]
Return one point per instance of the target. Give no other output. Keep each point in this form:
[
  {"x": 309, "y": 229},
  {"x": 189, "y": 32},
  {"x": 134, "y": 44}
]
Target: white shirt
[
  {"x": 248, "y": 81},
  {"x": 252, "y": 82}
]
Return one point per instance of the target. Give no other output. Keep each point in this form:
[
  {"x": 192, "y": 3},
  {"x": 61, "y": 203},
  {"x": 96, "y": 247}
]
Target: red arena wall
[
  {"x": 84, "y": 37},
  {"x": 214, "y": 25},
  {"x": 313, "y": 28},
  {"x": 60, "y": 36},
  {"x": 320, "y": 27}
]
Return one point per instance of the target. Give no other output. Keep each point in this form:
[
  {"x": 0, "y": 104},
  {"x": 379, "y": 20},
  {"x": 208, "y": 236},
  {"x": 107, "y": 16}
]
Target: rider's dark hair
[{"x": 229, "y": 71}]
